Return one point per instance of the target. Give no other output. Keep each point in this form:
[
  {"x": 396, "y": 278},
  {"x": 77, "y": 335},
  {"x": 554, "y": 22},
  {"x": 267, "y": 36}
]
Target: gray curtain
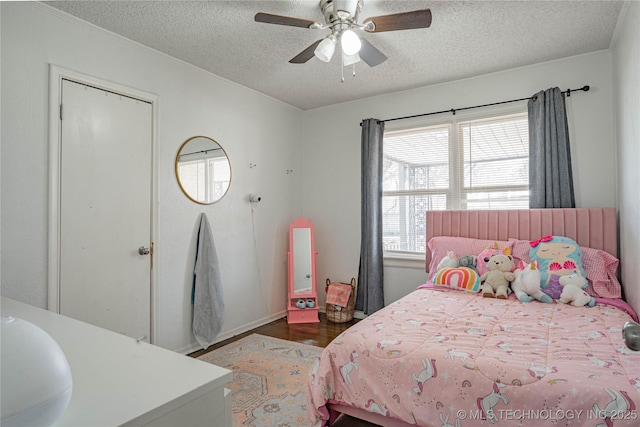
[
  {"x": 550, "y": 177},
  {"x": 370, "y": 296}
]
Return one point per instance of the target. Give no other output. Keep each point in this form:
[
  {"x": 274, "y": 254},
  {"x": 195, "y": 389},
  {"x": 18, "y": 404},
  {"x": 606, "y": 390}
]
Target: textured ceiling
[{"x": 466, "y": 38}]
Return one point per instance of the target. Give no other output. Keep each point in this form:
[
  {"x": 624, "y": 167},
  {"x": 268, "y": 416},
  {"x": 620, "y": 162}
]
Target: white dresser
[{"x": 118, "y": 381}]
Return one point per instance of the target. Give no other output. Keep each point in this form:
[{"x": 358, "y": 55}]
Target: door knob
[{"x": 143, "y": 250}]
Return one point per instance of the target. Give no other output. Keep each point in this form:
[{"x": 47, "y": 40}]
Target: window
[
  {"x": 457, "y": 164},
  {"x": 206, "y": 177}
]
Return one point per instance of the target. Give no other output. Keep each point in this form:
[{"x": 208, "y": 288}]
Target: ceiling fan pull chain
[
  {"x": 342, "y": 69},
  {"x": 354, "y": 70}
]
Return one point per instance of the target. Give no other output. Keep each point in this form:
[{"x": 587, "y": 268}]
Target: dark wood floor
[{"x": 318, "y": 334}]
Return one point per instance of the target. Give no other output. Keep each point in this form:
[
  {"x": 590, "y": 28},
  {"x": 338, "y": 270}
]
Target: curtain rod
[
  {"x": 453, "y": 110},
  {"x": 201, "y": 151}
]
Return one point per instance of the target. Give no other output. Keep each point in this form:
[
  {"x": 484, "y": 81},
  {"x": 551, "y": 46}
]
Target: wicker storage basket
[{"x": 346, "y": 313}]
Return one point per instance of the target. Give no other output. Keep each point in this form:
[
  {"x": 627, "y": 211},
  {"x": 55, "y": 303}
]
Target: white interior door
[{"x": 105, "y": 209}]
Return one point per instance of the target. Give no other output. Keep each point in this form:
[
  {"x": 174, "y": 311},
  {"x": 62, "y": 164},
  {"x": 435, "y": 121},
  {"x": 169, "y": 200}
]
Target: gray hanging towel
[{"x": 208, "y": 303}]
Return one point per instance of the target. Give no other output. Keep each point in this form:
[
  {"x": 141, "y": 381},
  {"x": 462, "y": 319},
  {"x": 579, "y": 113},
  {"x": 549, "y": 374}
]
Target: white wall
[
  {"x": 252, "y": 128},
  {"x": 626, "y": 60},
  {"x": 331, "y": 154}
]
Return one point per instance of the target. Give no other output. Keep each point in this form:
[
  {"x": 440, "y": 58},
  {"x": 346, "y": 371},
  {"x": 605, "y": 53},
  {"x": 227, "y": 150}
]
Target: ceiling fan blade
[
  {"x": 370, "y": 54},
  {"x": 286, "y": 20},
  {"x": 306, "y": 54},
  {"x": 399, "y": 21}
]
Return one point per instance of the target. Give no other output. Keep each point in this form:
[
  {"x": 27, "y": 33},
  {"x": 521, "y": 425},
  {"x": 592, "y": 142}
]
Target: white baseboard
[
  {"x": 359, "y": 314},
  {"x": 194, "y": 346}
]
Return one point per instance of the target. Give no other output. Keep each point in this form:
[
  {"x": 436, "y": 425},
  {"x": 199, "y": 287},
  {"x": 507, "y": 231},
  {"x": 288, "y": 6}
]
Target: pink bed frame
[{"x": 590, "y": 227}]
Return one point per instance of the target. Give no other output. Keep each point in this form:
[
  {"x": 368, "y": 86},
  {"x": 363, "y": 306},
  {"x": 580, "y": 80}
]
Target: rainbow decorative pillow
[{"x": 463, "y": 278}]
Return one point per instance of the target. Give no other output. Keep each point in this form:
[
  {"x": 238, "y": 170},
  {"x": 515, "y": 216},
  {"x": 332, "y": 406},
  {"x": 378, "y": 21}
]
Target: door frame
[{"x": 56, "y": 75}]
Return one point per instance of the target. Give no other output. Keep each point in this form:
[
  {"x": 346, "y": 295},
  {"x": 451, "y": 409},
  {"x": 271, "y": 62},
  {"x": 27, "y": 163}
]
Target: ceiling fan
[{"x": 341, "y": 17}]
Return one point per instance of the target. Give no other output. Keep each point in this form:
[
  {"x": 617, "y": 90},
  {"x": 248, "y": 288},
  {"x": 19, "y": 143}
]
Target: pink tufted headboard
[{"x": 590, "y": 227}]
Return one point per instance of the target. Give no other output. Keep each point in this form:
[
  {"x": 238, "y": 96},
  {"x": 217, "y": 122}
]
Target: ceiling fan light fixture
[
  {"x": 341, "y": 17},
  {"x": 324, "y": 51},
  {"x": 350, "y": 59},
  {"x": 350, "y": 42}
]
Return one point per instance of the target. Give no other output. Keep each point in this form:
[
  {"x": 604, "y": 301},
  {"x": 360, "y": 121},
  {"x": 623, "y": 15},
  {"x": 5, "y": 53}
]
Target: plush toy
[
  {"x": 481, "y": 264},
  {"x": 468, "y": 261},
  {"x": 558, "y": 256},
  {"x": 449, "y": 261},
  {"x": 495, "y": 282},
  {"x": 527, "y": 283},
  {"x": 573, "y": 292}
]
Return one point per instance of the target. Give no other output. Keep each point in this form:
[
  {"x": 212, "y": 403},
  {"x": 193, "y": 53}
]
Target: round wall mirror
[{"x": 203, "y": 170}]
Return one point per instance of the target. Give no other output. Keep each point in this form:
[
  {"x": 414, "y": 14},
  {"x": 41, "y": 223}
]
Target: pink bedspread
[{"x": 448, "y": 358}]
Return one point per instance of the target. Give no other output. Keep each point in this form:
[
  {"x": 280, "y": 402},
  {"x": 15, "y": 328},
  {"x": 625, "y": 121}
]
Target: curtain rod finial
[{"x": 586, "y": 88}]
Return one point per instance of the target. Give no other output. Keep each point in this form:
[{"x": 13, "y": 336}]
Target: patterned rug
[{"x": 269, "y": 379}]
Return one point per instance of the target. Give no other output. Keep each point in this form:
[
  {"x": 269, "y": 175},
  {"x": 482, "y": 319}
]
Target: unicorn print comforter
[{"x": 441, "y": 357}]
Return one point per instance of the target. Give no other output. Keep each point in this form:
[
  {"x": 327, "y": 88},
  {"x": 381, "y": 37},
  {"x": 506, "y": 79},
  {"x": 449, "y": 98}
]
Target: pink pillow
[
  {"x": 601, "y": 269},
  {"x": 599, "y": 266},
  {"x": 520, "y": 251},
  {"x": 439, "y": 246}
]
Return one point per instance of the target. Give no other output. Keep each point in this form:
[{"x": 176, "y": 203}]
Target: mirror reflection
[
  {"x": 203, "y": 170},
  {"x": 301, "y": 260}
]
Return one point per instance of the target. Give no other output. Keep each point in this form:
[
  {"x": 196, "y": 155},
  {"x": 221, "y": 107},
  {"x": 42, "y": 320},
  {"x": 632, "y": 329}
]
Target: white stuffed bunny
[
  {"x": 449, "y": 261},
  {"x": 572, "y": 292},
  {"x": 527, "y": 283}
]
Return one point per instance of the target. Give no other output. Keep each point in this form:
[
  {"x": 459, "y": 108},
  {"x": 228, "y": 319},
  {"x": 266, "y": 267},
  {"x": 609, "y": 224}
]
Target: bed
[{"x": 444, "y": 357}]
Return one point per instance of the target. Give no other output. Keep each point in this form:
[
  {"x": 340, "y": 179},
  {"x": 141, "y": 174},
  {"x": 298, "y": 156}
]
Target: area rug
[{"x": 269, "y": 380}]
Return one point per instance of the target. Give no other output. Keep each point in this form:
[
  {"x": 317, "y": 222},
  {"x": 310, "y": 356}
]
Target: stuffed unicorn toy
[
  {"x": 527, "y": 283},
  {"x": 573, "y": 291}
]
